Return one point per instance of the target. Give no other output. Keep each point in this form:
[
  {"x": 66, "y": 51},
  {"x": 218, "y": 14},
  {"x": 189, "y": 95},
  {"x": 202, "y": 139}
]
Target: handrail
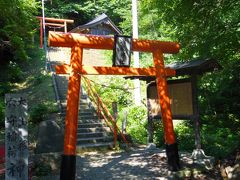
[
  {"x": 53, "y": 74},
  {"x": 103, "y": 110}
]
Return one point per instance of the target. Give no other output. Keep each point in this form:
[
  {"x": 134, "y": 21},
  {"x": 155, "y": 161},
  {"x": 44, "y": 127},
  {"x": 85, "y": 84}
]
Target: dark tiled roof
[
  {"x": 196, "y": 66},
  {"x": 103, "y": 18}
]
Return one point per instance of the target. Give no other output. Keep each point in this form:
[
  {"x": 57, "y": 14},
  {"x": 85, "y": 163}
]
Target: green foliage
[
  {"x": 15, "y": 72},
  {"x": 17, "y": 25},
  {"x": 2, "y": 113},
  {"x": 117, "y": 89},
  {"x": 204, "y": 29},
  {"x": 114, "y": 89},
  {"x": 219, "y": 142},
  {"x": 158, "y": 136},
  {"x": 185, "y": 136},
  {"x": 136, "y": 123},
  {"x": 84, "y": 11},
  {"x": 40, "y": 112}
]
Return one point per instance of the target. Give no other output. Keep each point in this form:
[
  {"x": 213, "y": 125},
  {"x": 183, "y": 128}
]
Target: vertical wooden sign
[{"x": 16, "y": 133}]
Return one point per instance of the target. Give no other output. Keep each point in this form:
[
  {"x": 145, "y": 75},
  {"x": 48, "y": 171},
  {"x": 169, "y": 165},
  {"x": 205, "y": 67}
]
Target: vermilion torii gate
[{"x": 75, "y": 69}]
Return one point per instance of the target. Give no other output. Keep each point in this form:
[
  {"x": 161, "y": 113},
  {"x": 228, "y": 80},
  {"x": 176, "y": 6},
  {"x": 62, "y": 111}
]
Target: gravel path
[{"x": 136, "y": 164}]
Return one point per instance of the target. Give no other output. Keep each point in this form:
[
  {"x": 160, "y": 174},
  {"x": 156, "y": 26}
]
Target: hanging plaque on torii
[{"x": 75, "y": 69}]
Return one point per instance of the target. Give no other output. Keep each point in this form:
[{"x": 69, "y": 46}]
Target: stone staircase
[{"x": 92, "y": 132}]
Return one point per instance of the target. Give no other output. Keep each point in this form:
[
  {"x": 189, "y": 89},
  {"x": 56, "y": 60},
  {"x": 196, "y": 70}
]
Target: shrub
[
  {"x": 15, "y": 73},
  {"x": 40, "y": 112},
  {"x": 1, "y": 113},
  {"x": 218, "y": 142},
  {"x": 184, "y": 135},
  {"x": 136, "y": 123},
  {"x": 158, "y": 136}
]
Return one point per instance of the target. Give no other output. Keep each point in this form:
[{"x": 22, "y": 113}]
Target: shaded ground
[{"x": 137, "y": 164}]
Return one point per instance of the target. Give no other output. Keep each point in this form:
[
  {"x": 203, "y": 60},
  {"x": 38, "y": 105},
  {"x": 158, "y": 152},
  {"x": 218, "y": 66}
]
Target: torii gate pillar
[{"x": 77, "y": 42}]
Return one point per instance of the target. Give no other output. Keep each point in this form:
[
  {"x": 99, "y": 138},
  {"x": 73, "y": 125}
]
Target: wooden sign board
[
  {"x": 180, "y": 93},
  {"x": 16, "y": 134}
]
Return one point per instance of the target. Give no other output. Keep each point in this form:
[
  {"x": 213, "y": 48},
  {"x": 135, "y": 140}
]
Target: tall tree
[
  {"x": 85, "y": 10},
  {"x": 17, "y": 26},
  {"x": 204, "y": 29}
]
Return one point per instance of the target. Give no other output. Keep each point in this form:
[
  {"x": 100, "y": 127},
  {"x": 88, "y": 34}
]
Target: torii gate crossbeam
[{"x": 75, "y": 69}]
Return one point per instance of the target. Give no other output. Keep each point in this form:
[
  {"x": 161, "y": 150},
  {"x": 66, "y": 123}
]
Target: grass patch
[{"x": 37, "y": 85}]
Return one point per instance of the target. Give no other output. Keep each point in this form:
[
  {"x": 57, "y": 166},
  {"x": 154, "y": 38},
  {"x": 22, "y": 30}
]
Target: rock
[
  {"x": 50, "y": 137},
  {"x": 233, "y": 172},
  {"x": 46, "y": 164},
  {"x": 151, "y": 146},
  {"x": 200, "y": 159}
]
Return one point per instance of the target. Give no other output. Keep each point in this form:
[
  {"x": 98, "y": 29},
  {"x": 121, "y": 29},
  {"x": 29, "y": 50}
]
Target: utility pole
[
  {"x": 44, "y": 36},
  {"x": 137, "y": 90}
]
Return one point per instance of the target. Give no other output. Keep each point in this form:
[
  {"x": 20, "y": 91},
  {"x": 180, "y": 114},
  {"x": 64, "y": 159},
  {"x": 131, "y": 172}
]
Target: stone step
[
  {"x": 95, "y": 129},
  {"x": 94, "y": 140},
  {"x": 90, "y": 125},
  {"x": 87, "y": 113},
  {"x": 95, "y": 145},
  {"x": 82, "y": 107},
  {"x": 92, "y": 134},
  {"x": 84, "y": 117},
  {"x": 89, "y": 121},
  {"x": 87, "y": 116}
]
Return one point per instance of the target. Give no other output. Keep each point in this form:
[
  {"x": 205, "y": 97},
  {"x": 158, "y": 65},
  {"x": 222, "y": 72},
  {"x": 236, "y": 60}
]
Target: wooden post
[
  {"x": 150, "y": 122},
  {"x": 124, "y": 123},
  {"x": 68, "y": 166},
  {"x": 41, "y": 34},
  {"x": 169, "y": 136},
  {"x": 115, "y": 114},
  {"x": 16, "y": 142},
  {"x": 196, "y": 118},
  {"x": 65, "y": 26}
]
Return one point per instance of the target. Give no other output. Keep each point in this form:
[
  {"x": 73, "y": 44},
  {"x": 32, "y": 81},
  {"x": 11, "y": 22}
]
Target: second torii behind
[{"x": 75, "y": 69}]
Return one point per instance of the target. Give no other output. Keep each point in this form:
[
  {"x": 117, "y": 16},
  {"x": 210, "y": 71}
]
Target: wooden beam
[
  {"x": 59, "y": 39},
  {"x": 56, "y": 20},
  {"x": 54, "y": 24},
  {"x": 96, "y": 70}
]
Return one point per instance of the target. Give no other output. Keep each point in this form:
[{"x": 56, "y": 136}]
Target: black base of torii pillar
[{"x": 173, "y": 157}]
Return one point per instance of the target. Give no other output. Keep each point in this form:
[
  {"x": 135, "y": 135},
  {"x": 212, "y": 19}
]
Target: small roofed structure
[
  {"x": 101, "y": 25},
  {"x": 191, "y": 67},
  {"x": 182, "y": 93}
]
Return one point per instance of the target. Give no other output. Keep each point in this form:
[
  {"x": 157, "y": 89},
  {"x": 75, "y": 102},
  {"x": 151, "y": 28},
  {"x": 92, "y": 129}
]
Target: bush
[
  {"x": 1, "y": 113},
  {"x": 218, "y": 142},
  {"x": 184, "y": 135},
  {"x": 40, "y": 112},
  {"x": 15, "y": 73},
  {"x": 136, "y": 123},
  {"x": 158, "y": 136}
]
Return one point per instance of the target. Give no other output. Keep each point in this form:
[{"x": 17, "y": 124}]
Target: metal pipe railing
[{"x": 102, "y": 108}]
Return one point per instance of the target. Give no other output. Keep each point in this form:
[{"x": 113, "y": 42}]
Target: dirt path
[{"x": 136, "y": 164}]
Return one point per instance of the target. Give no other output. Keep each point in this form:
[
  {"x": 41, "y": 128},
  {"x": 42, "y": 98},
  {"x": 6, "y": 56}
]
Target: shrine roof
[
  {"x": 102, "y": 19},
  {"x": 195, "y": 66}
]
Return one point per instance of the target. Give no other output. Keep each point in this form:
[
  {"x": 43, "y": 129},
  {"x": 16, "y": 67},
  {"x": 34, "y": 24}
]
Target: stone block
[{"x": 50, "y": 137}]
